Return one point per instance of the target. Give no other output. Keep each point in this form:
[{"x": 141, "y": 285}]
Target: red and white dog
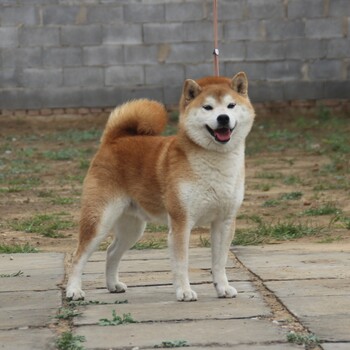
[{"x": 193, "y": 178}]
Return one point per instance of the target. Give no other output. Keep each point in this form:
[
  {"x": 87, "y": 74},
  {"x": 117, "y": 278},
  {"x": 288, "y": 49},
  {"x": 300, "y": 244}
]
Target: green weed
[
  {"x": 156, "y": 228},
  {"x": 265, "y": 187},
  {"x": 68, "y": 341},
  {"x": 48, "y": 225},
  {"x": 271, "y": 203},
  {"x": 302, "y": 339},
  {"x": 75, "y": 136},
  {"x": 152, "y": 243},
  {"x": 62, "y": 154},
  {"x": 62, "y": 200},
  {"x": 75, "y": 303},
  {"x": 116, "y": 320},
  {"x": 17, "y": 248},
  {"x": 291, "y": 196},
  {"x": 67, "y": 314},
  {"x": 292, "y": 180},
  {"x": 204, "y": 242},
  {"x": 172, "y": 344},
  {"x": 268, "y": 175},
  {"x": 325, "y": 209}
]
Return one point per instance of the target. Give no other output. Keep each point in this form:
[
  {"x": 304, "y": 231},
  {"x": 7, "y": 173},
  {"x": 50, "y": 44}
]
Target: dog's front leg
[
  {"x": 221, "y": 237},
  {"x": 179, "y": 236}
]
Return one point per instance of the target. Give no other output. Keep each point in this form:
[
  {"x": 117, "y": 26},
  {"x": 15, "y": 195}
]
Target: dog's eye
[
  {"x": 231, "y": 105},
  {"x": 208, "y": 107}
]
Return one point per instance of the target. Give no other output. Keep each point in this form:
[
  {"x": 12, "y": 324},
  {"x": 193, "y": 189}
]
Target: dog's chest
[{"x": 217, "y": 191}]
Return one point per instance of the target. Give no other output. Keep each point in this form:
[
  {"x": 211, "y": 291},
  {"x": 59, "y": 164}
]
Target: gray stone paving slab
[
  {"x": 220, "y": 332},
  {"x": 282, "y": 346},
  {"x": 336, "y": 346},
  {"x": 27, "y": 339},
  {"x": 29, "y": 282},
  {"x": 271, "y": 264}
]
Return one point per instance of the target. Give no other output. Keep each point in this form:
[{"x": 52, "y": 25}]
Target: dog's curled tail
[{"x": 137, "y": 117}]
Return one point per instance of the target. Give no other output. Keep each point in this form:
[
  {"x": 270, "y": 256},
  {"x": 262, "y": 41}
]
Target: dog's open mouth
[{"x": 222, "y": 135}]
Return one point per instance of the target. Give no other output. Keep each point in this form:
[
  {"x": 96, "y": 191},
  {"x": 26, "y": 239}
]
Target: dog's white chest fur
[{"x": 218, "y": 190}]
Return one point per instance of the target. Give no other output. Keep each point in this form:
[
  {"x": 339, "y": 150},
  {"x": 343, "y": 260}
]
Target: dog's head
[{"x": 215, "y": 112}]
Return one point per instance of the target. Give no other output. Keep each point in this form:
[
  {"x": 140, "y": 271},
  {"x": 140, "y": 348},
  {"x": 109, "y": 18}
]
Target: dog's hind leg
[
  {"x": 95, "y": 225},
  {"x": 128, "y": 229},
  {"x": 221, "y": 237}
]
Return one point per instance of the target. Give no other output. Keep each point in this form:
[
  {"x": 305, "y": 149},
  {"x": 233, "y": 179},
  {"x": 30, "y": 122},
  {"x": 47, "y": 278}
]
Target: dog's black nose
[{"x": 223, "y": 119}]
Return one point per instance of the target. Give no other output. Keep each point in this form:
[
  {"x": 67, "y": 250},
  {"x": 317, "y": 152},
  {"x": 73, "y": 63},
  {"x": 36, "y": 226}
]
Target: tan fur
[{"x": 140, "y": 173}]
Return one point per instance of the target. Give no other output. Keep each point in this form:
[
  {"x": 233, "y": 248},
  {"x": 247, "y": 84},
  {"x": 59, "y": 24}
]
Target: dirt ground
[{"x": 297, "y": 175}]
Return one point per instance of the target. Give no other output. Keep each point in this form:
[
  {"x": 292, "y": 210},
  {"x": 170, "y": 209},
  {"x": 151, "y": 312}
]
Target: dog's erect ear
[
  {"x": 190, "y": 90},
  {"x": 239, "y": 83}
]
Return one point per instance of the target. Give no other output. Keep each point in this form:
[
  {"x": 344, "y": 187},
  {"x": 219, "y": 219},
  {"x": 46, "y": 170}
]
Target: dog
[{"x": 193, "y": 178}]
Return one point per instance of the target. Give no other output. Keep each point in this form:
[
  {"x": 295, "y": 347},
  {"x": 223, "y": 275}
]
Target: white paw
[
  {"x": 225, "y": 291},
  {"x": 186, "y": 294},
  {"x": 118, "y": 287},
  {"x": 74, "y": 294}
]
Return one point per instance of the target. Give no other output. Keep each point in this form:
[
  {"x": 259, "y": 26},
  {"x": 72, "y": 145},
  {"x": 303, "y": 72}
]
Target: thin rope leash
[{"x": 216, "y": 49}]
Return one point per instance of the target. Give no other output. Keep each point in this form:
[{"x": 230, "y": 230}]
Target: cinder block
[
  {"x": 62, "y": 96},
  {"x": 339, "y": 8},
  {"x": 338, "y": 48},
  {"x": 103, "y": 55},
  {"x": 28, "y": 57},
  {"x": 60, "y": 15},
  {"x": 323, "y": 28},
  {"x": 298, "y": 9},
  {"x": 230, "y": 10},
  {"x": 14, "y": 98},
  {"x": 9, "y": 78},
  {"x": 39, "y": 36},
  {"x": 201, "y": 31},
  {"x": 303, "y": 90},
  {"x": 81, "y": 35},
  {"x": 337, "y": 89},
  {"x": 154, "y": 93},
  {"x": 325, "y": 70},
  {"x": 284, "y": 71},
  {"x": 141, "y": 54},
  {"x": 256, "y": 71},
  {"x": 8, "y": 37},
  {"x": 184, "y": 11},
  {"x": 104, "y": 14},
  {"x": 261, "y": 51},
  {"x": 102, "y": 97},
  {"x": 141, "y": 12},
  {"x": 21, "y": 15},
  {"x": 83, "y": 76},
  {"x": 196, "y": 71},
  {"x": 62, "y": 57},
  {"x": 186, "y": 53},
  {"x": 124, "y": 75},
  {"x": 265, "y": 91},
  {"x": 265, "y": 9},
  {"x": 42, "y": 78},
  {"x": 243, "y": 30},
  {"x": 155, "y": 33},
  {"x": 305, "y": 48},
  {"x": 277, "y": 29},
  {"x": 173, "y": 74},
  {"x": 171, "y": 95},
  {"x": 126, "y": 34},
  {"x": 229, "y": 52}
]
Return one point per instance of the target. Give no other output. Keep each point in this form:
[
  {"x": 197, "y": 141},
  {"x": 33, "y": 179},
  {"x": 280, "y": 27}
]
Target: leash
[{"x": 216, "y": 50}]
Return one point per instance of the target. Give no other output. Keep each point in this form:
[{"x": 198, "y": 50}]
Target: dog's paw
[
  {"x": 225, "y": 291},
  {"x": 75, "y": 294},
  {"x": 118, "y": 287},
  {"x": 186, "y": 294}
]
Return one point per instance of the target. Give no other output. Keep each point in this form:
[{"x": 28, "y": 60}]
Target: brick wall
[{"x": 98, "y": 53}]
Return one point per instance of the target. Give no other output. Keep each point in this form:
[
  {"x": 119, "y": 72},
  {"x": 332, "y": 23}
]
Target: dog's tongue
[{"x": 223, "y": 134}]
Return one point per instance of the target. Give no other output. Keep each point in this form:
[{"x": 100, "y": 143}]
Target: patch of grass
[
  {"x": 48, "y": 225},
  {"x": 271, "y": 203},
  {"x": 15, "y": 274},
  {"x": 116, "y": 320},
  {"x": 172, "y": 344},
  {"x": 265, "y": 187},
  {"x": 269, "y": 232},
  {"x": 156, "y": 228},
  {"x": 268, "y": 175},
  {"x": 291, "y": 196},
  {"x": 302, "y": 339},
  {"x": 204, "y": 242},
  {"x": 152, "y": 243},
  {"x": 68, "y": 341},
  {"x": 67, "y": 314},
  {"x": 292, "y": 180},
  {"x": 62, "y": 154},
  {"x": 17, "y": 248},
  {"x": 75, "y": 135},
  {"x": 325, "y": 209},
  {"x": 62, "y": 200}
]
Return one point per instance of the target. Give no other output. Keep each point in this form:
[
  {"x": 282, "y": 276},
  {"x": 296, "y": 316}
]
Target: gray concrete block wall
[{"x": 98, "y": 53}]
